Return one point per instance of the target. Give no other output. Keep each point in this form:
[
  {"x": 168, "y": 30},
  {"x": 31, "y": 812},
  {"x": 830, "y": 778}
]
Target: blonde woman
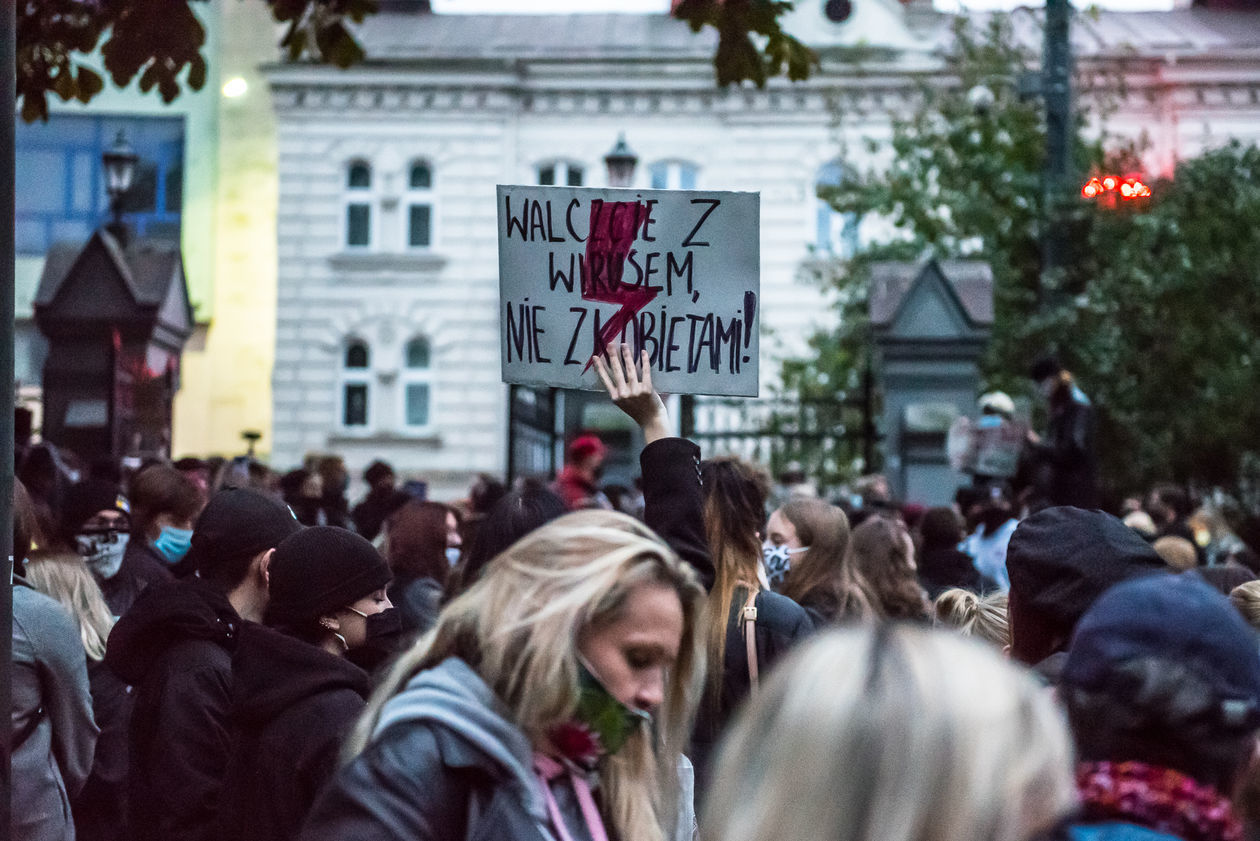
[
  {"x": 975, "y": 616},
  {"x": 100, "y": 807},
  {"x": 893, "y": 733},
  {"x": 553, "y": 698}
]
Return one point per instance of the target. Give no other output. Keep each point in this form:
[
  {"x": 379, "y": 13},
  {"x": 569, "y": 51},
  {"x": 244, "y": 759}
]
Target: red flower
[{"x": 577, "y": 743}]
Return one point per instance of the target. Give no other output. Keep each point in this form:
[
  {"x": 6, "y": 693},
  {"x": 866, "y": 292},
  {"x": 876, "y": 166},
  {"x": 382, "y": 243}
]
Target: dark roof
[
  {"x": 972, "y": 281},
  {"x": 145, "y": 266},
  {"x": 390, "y": 36}
]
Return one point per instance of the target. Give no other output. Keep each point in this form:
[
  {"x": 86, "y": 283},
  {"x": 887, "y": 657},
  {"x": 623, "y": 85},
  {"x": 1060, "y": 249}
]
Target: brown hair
[
  {"x": 416, "y": 540},
  {"x": 824, "y": 571},
  {"x": 163, "y": 490},
  {"x": 734, "y": 508},
  {"x": 878, "y": 550}
]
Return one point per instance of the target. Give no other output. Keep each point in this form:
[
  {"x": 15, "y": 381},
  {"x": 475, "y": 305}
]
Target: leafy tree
[
  {"x": 161, "y": 41},
  {"x": 1155, "y": 307}
]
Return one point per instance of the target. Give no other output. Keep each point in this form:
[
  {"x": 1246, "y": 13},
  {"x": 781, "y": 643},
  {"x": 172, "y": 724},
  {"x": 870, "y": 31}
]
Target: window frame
[
  {"x": 354, "y": 377},
  {"x": 842, "y": 238},
  {"x": 558, "y": 165},
  {"x": 355, "y": 197},
  {"x": 420, "y": 197},
  {"x": 673, "y": 169},
  {"x": 409, "y": 376}
]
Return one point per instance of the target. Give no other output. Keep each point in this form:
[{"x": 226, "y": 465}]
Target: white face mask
[
  {"x": 102, "y": 552},
  {"x": 452, "y": 555},
  {"x": 778, "y": 560}
]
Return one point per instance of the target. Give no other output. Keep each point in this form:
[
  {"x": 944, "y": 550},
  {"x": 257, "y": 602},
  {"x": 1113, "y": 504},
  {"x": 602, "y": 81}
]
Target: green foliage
[
  {"x": 160, "y": 42},
  {"x": 1156, "y": 307}
]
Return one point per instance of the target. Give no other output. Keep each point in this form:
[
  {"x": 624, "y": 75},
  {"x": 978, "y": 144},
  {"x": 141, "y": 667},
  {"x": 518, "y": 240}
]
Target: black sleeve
[
  {"x": 673, "y": 504},
  {"x": 187, "y": 776},
  {"x": 396, "y": 790}
]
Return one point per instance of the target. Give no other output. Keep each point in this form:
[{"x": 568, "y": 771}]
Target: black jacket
[
  {"x": 674, "y": 509},
  {"x": 1068, "y": 468},
  {"x": 944, "y": 567},
  {"x": 175, "y": 648},
  {"x": 100, "y": 809},
  {"x": 141, "y": 567},
  {"x": 292, "y": 706}
]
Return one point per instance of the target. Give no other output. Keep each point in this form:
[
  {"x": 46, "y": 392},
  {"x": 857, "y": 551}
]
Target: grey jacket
[{"x": 51, "y": 714}]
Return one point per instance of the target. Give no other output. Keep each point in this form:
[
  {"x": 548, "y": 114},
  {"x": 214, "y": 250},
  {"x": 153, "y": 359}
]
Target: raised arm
[{"x": 673, "y": 501}]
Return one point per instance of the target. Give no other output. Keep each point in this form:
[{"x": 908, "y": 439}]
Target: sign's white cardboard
[{"x": 675, "y": 272}]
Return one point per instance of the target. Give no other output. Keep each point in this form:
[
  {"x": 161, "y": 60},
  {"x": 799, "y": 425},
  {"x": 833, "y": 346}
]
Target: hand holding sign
[{"x": 632, "y": 395}]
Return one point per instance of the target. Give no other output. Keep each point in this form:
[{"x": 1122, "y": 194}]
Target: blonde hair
[
  {"x": 1246, "y": 598},
  {"x": 971, "y": 615},
  {"x": 893, "y": 733},
  {"x": 1177, "y": 552},
  {"x": 64, "y": 577},
  {"x": 518, "y": 627}
]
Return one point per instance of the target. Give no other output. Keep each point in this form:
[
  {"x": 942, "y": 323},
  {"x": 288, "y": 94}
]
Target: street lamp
[
  {"x": 120, "y": 168},
  {"x": 621, "y": 162}
]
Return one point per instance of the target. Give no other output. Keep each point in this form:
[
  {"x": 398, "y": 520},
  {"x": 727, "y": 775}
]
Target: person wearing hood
[
  {"x": 1164, "y": 713},
  {"x": 96, "y": 523},
  {"x": 295, "y": 696},
  {"x": 164, "y": 505},
  {"x": 552, "y": 699},
  {"x": 1060, "y": 560},
  {"x": 175, "y": 647}
]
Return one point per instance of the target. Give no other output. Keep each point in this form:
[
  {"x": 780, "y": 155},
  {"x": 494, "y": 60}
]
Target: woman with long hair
[
  {"x": 422, "y": 543},
  {"x": 821, "y": 578},
  {"x": 883, "y": 552},
  {"x": 513, "y": 516},
  {"x": 100, "y": 808},
  {"x": 893, "y": 733},
  {"x": 554, "y": 697}
]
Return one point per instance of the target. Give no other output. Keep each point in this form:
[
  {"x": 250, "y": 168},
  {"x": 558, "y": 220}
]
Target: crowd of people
[{"x": 207, "y": 650}]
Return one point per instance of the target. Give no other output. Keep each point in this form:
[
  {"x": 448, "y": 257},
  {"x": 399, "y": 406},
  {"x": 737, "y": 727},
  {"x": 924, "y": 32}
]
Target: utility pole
[
  {"x": 1056, "y": 89},
  {"x": 8, "y": 51}
]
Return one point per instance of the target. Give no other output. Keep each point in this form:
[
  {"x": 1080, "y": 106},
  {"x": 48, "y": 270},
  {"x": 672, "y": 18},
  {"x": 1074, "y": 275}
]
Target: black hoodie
[
  {"x": 175, "y": 647},
  {"x": 293, "y": 704}
]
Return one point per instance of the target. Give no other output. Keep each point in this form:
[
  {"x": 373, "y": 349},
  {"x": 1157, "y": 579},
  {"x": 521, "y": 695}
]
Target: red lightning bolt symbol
[{"x": 614, "y": 226}]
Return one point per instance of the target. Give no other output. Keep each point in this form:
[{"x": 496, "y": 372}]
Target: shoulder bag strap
[{"x": 748, "y": 618}]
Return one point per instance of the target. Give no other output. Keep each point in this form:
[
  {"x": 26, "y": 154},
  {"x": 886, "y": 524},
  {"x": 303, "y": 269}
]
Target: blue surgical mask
[
  {"x": 173, "y": 544},
  {"x": 452, "y": 555}
]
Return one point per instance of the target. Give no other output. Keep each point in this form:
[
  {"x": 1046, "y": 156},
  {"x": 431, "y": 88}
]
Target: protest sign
[{"x": 672, "y": 272}]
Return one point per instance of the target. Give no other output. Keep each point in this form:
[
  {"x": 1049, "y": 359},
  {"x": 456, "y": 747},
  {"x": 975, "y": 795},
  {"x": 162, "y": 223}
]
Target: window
[
  {"x": 674, "y": 175},
  {"x": 61, "y": 181},
  {"x": 837, "y": 233},
  {"x": 358, "y": 205},
  {"x": 420, "y": 205},
  {"x": 355, "y": 390},
  {"x": 416, "y": 384},
  {"x": 560, "y": 173}
]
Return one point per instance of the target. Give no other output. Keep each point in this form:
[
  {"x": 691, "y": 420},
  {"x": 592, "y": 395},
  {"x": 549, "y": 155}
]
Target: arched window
[
  {"x": 837, "y": 233},
  {"x": 560, "y": 173},
  {"x": 674, "y": 175},
  {"x": 358, "y": 205},
  {"x": 420, "y": 205},
  {"x": 355, "y": 389},
  {"x": 417, "y": 384}
]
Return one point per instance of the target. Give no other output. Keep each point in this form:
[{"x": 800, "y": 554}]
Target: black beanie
[
  {"x": 236, "y": 523},
  {"x": 84, "y": 500},
  {"x": 320, "y": 569},
  {"x": 1062, "y": 559}
]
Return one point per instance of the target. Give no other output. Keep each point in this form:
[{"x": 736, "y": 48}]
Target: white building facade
[{"x": 387, "y": 340}]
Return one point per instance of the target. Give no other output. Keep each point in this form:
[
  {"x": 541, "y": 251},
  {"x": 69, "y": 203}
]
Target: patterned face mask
[
  {"x": 102, "y": 551},
  {"x": 778, "y": 560},
  {"x": 600, "y": 726}
]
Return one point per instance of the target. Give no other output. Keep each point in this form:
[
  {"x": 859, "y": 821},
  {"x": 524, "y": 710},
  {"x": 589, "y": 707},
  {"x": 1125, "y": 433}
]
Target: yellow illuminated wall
[{"x": 226, "y": 382}]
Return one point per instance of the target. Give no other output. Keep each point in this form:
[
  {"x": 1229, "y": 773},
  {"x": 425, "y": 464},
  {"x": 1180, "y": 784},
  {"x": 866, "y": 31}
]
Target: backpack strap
[{"x": 748, "y": 619}]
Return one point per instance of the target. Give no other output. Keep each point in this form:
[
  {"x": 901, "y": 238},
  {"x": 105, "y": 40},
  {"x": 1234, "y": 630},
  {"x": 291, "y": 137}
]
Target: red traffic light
[{"x": 1130, "y": 187}]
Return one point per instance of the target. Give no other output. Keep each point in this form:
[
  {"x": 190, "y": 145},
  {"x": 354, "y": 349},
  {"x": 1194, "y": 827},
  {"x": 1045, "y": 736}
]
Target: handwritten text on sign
[{"x": 671, "y": 272}]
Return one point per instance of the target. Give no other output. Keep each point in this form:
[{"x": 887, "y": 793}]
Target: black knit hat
[
  {"x": 238, "y": 523},
  {"x": 84, "y": 500},
  {"x": 320, "y": 569},
  {"x": 1062, "y": 559}
]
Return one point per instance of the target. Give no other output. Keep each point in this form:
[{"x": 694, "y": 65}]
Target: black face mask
[{"x": 385, "y": 638}]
